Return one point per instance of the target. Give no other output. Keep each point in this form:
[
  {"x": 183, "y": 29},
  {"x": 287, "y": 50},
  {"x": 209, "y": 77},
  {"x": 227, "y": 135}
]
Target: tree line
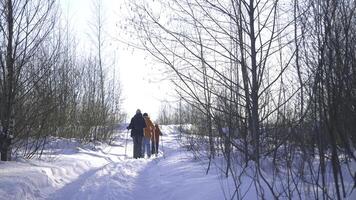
[
  {"x": 268, "y": 84},
  {"x": 49, "y": 87}
]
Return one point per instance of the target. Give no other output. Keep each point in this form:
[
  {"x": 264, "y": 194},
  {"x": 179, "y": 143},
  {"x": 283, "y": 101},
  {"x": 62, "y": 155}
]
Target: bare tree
[
  {"x": 105, "y": 96},
  {"x": 25, "y": 27}
]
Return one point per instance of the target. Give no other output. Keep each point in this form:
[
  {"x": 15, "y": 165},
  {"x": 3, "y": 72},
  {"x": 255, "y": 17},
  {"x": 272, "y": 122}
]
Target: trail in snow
[
  {"x": 108, "y": 174},
  {"x": 171, "y": 177}
]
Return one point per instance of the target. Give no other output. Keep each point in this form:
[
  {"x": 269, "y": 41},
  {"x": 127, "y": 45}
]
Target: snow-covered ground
[
  {"x": 69, "y": 170},
  {"x": 72, "y": 172}
]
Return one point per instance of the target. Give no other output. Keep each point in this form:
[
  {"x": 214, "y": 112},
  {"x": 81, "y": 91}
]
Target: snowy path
[
  {"x": 170, "y": 177},
  {"x": 109, "y": 174}
]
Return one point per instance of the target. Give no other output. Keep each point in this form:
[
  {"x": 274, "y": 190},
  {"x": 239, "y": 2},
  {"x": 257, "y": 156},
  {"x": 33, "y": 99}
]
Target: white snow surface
[
  {"x": 71, "y": 171},
  {"x": 68, "y": 170}
]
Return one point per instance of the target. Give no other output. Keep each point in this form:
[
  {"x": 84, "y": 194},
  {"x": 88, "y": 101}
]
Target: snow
[{"x": 70, "y": 171}]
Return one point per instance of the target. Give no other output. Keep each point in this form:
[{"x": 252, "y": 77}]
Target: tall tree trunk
[{"x": 8, "y": 121}]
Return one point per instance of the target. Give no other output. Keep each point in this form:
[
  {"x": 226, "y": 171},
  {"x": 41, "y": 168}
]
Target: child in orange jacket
[{"x": 155, "y": 139}]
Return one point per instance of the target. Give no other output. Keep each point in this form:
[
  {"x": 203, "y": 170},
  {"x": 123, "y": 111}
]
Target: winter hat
[
  {"x": 138, "y": 111},
  {"x": 145, "y": 114}
]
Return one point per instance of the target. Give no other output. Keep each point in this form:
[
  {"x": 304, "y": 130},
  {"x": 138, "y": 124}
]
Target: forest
[
  {"x": 49, "y": 87},
  {"x": 269, "y": 85}
]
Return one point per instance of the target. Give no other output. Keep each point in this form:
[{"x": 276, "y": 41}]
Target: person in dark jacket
[{"x": 137, "y": 125}]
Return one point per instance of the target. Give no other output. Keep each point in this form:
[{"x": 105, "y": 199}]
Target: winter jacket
[
  {"x": 149, "y": 130},
  {"x": 137, "y": 125},
  {"x": 157, "y": 133}
]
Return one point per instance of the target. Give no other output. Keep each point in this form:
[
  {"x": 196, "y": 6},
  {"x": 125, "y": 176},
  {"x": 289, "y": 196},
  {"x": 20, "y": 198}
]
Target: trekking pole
[
  {"x": 155, "y": 146},
  {"x": 162, "y": 146},
  {"x": 127, "y": 135}
]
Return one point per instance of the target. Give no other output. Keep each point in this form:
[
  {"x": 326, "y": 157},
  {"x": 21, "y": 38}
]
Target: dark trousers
[
  {"x": 137, "y": 144},
  {"x": 155, "y": 147}
]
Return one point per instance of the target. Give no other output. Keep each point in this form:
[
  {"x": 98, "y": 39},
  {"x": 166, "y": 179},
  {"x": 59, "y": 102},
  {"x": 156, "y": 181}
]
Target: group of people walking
[{"x": 145, "y": 135}]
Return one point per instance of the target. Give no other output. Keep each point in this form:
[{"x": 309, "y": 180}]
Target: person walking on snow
[
  {"x": 148, "y": 133},
  {"x": 137, "y": 124},
  {"x": 155, "y": 139}
]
